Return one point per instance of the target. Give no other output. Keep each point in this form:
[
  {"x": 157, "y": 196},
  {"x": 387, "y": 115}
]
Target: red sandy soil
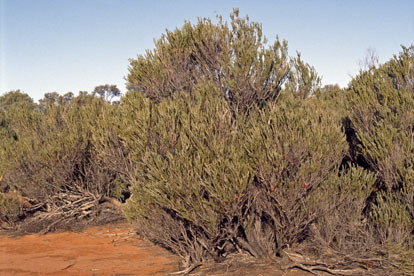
[{"x": 102, "y": 250}]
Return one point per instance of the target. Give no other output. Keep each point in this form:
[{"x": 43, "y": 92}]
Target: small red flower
[
  {"x": 272, "y": 189},
  {"x": 287, "y": 158},
  {"x": 291, "y": 162},
  {"x": 304, "y": 186},
  {"x": 236, "y": 198}
]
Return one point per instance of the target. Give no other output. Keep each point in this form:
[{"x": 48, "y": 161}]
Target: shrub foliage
[{"x": 234, "y": 56}]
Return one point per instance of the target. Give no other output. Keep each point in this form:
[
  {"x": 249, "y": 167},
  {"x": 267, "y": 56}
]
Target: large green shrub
[
  {"x": 206, "y": 185},
  {"x": 381, "y": 104},
  {"x": 232, "y": 146}
]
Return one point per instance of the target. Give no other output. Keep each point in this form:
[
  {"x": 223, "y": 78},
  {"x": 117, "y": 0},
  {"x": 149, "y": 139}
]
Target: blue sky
[{"x": 75, "y": 45}]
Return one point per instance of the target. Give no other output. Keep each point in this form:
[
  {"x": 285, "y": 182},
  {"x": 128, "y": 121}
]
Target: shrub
[
  {"x": 234, "y": 56},
  {"x": 16, "y": 110},
  {"x": 51, "y": 161},
  {"x": 381, "y": 105},
  {"x": 205, "y": 185},
  {"x": 10, "y": 210},
  {"x": 227, "y": 151}
]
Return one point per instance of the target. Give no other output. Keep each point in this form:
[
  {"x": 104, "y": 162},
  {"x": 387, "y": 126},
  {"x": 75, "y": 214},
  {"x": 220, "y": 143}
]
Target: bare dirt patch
[{"x": 104, "y": 250}]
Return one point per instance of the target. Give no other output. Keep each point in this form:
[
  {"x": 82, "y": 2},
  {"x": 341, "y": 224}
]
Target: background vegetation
[{"x": 225, "y": 145}]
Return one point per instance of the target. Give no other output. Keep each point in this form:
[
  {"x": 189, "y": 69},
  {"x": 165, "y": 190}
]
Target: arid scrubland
[{"x": 224, "y": 144}]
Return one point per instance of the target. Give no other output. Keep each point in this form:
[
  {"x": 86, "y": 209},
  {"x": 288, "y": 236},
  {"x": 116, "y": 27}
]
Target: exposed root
[
  {"x": 186, "y": 271},
  {"x": 337, "y": 264}
]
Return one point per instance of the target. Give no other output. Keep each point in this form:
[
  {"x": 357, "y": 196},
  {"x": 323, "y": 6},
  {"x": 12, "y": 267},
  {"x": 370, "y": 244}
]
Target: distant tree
[
  {"x": 330, "y": 88},
  {"x": 106, "y": 92},
  {"x": 15, "y": 97},
  {"x": 16, "y": 108},
  {"x": 66, "y": 99},
  {"x": 370, "y": 60},
  {"x": 50, "y": 98}
]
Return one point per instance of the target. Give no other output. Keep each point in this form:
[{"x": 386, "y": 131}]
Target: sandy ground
[{"x": 102, "y": 250}]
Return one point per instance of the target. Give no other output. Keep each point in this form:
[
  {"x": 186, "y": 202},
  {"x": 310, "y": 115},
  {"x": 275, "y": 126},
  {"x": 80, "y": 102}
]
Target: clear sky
[{"x": 74, "y": 45}]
